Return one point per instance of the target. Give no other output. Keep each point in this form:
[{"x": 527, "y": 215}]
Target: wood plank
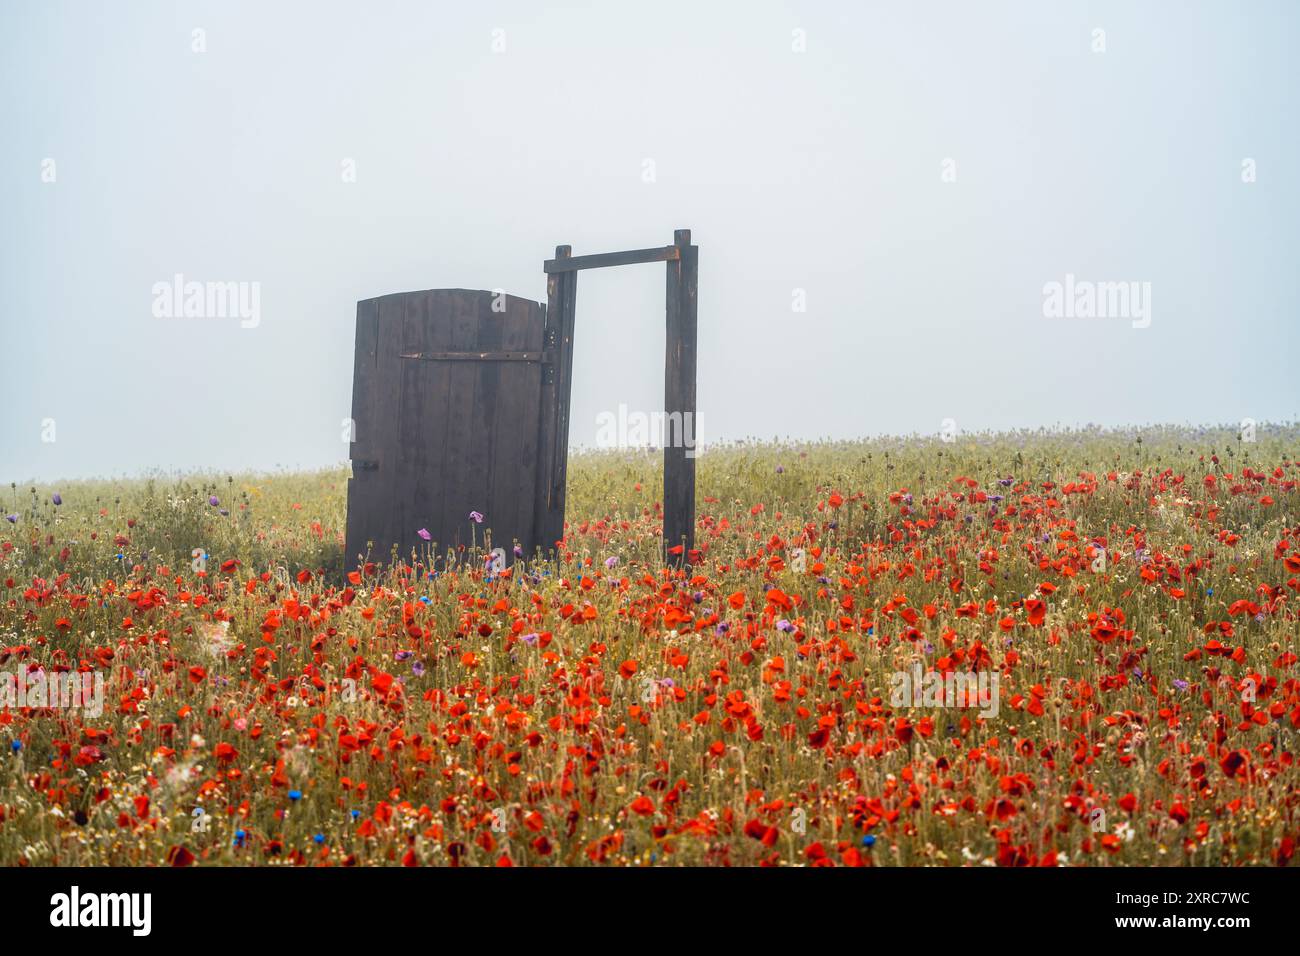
[
  {"x": 515, "y": 421},
  {"x": 387, "y": 401},
  {"x": 690, "y": 333},
  {"x": 480, "y": 461},
  {"x": 361, "y": 486},
  {"x": 530, "y": 384},
  {"x": 604, "y": 259},
  {"x": 549, "y": 412},
  {"x": 679, "y": 400},
  {"x": 424, "y": 507},
  {"x": 410, "y": 312},
  {"x": 563, "y": 394},
  {"x": 458, "y": 481}
]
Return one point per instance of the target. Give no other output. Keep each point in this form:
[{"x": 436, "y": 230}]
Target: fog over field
[{"x": 1005, "y": 216}]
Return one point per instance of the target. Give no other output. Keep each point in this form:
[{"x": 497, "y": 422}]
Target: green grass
[{"x": 778, "y": 718}]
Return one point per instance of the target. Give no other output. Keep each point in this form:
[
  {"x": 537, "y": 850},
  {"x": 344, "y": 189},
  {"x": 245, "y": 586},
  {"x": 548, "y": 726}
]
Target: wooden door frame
[{"x": 681, "y": 295}]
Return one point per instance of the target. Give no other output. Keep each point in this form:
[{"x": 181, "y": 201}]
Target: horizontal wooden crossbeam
[{"x": 603, "y": 259}]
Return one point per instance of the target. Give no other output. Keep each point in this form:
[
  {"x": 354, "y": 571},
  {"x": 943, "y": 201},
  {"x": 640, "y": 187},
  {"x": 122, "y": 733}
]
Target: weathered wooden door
[
  {"x": 460, "y": 411},
  {"x": 446, "y": 400}
]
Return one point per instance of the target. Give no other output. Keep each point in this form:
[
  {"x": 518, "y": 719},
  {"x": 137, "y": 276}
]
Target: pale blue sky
[{"x": 818, "y": 171}]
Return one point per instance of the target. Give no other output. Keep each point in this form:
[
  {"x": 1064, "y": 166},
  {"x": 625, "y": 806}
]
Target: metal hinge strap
[{"x": 543, "y": 357}]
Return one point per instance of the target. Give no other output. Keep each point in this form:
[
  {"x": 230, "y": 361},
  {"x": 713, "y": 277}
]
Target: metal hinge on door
[
  {"x": 549, "y": 340},
  {"x": 517, "y": 356}
]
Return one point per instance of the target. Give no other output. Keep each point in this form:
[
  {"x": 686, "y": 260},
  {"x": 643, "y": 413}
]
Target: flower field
[{"x": 1134, "y": 595}]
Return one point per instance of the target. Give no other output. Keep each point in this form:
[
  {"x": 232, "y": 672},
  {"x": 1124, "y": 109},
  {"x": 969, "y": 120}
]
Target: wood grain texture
[
  {"x": 364, "y": 445},
  {"x": 605, "y": 259},
  {"x": 679, "y": 401},
  {"x": 450, "y": 435},
  {"x": 463, "y": 407},
  {"x": 553, "y": 430}
]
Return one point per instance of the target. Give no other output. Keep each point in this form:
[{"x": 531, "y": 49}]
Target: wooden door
[{"x": 445, "y": 403}]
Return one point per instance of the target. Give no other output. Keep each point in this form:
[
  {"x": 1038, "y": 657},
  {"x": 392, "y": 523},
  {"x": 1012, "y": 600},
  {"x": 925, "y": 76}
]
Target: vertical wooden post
[
  {"x": 553, "y": 441},
  {"x": 679, "y": 401},
  {"x": 564, "y": 388}
]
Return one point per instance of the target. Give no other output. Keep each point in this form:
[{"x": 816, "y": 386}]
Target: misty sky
[{"x": 820, "y": 171}]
